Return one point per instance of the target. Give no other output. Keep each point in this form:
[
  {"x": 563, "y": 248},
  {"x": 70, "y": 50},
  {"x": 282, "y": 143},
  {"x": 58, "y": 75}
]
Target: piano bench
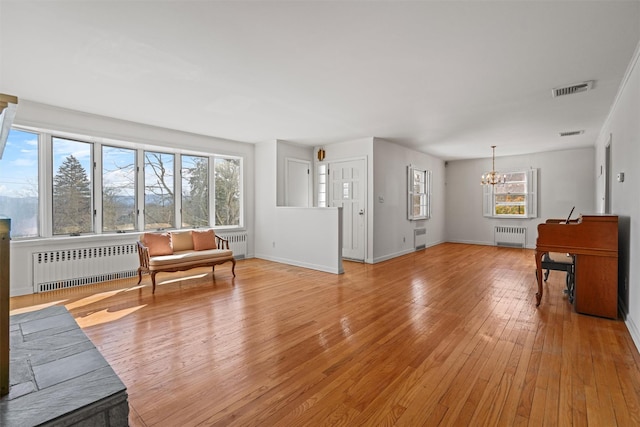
[{"x": 561, "y": 262}]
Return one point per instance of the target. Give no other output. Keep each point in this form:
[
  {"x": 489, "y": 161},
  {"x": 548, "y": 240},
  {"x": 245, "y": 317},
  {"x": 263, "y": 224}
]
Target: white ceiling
[{"x": 446, "y": 78}]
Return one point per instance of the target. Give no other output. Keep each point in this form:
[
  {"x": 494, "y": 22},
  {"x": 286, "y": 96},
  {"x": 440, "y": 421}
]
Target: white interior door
[
  {"x": 297, "y": 183},
  {"x": 348, "y": 190}
]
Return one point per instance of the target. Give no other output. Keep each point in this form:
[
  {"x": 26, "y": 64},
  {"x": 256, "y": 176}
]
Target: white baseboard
[
  {"x": 634, "y": 331},
  {"x": 323, "y": 268}
]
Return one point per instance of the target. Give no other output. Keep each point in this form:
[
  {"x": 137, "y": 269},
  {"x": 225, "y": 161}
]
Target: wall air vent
[
  {"x": 572, "y": 133},
  {"x": 571, "y": 89}
]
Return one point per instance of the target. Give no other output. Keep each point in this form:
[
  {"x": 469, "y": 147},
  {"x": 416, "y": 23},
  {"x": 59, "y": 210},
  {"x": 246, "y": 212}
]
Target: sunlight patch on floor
[
  {"x": 92, "y": 299},
  {"x": 182, "y": 278},
  {"x": 105, "y": 316}
]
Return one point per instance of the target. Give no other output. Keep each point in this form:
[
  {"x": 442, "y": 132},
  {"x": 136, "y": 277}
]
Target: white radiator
[
  {"x": 68, "y": 268},
  {"x": 420, "y": 238},
  {"x": 237, "y": 243},
  {"x": 515, "y": 237}
]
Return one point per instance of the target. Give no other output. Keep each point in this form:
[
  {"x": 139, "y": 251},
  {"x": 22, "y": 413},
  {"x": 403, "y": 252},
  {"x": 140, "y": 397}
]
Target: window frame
[
  {"x": 46, "y": 174},
  {"x": 136, "y": 209},
  {"x": 92, "y": 186},
  {"x": 212, "y": 188},
  {"x": 530, "y": 202},
  {"x": 38, "y": 181},
  {"x": 322, "y": 180},
  {"x": 182, "y": 193},
  {"x": 425, "y": 183},
  {"x": 174, "y": 208}
]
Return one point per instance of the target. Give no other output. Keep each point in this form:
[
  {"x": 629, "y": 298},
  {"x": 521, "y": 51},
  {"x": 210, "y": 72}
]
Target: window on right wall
[{"x": 516, "y": 198}]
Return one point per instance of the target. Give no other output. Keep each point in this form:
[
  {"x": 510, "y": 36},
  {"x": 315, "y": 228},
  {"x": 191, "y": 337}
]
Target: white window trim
[
  {"x": 531, "y": 198},
  {"x": 45, "y": 180},
  {"x": 410, "y": 193}
]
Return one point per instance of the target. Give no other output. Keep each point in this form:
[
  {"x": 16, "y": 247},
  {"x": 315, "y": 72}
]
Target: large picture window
[
  {"x": 72, "y": 187},
  {"x": 195, "y": 191},
  {"x": 118, "y": 189},
  {"x": 19, "y": 183},
  {"x": 159, "y": 199},
  {"x": 112, "y": 186},
  {"x": 516, "y": 198},
  {"x": 227, "y": 180}
]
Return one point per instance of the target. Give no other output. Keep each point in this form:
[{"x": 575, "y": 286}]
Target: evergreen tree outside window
[
  {"x": 118, "y": 189},
  {"x": 227, "y": 191},
  {"x": 132, "y": 181},
  {"x": 159, "y": 199},
  {"x": 72, "y": 195},
  {"x": 19, "y": 183},
  {"x": 195, "y": 191}
]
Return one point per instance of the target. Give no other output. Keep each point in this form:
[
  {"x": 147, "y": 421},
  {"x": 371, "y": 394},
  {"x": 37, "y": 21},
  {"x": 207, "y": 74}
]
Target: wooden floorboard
[{"x": 447, "y": 336}]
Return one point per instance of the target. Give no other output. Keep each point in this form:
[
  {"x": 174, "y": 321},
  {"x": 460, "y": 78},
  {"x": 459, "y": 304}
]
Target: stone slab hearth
[{"x": 58, "y": 377}]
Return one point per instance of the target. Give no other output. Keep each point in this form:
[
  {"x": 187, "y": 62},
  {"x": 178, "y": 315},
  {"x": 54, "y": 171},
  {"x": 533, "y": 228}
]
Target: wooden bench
[{"x": 181, "y": 250}]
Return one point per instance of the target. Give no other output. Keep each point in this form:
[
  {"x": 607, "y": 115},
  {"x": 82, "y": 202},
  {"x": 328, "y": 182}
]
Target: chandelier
[{"x": 493, "y": 177}]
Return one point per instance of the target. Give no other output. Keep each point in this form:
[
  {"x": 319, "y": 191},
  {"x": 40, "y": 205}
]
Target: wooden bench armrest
[
  {"x": 143, "y": 255},
  {"x": 222, "y": 243}
]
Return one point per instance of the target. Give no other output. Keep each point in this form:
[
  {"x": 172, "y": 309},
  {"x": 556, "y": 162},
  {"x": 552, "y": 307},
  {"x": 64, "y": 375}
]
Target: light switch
[{"x": 620, "y": 177}]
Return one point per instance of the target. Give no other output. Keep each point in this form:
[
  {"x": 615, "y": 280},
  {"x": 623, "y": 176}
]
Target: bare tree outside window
[
  {"x": 72, "y": 196},
  {"x": 227, "y": 181},
  {"x": 118, "y": 189},
  {"x": 195, "y": 191},
  {"x": 159, "y": 201}
]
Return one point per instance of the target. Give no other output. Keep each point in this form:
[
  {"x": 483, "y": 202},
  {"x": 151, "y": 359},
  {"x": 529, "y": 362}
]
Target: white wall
[
  {"x": 306, "y": 237},
  {"x": 265, "y": 185},
  {"x": 623, "y": 127},
  {"x": 108, "y": 130},
  {"x": 393, "y": 232},
  {"x": 565, "y": 179}
]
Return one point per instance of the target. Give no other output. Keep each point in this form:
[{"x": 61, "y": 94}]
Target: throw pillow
[
  {"x": 158, "y": 244},
  {"x": 203, "y": 240},
  {"x": 181, "y": 241}
]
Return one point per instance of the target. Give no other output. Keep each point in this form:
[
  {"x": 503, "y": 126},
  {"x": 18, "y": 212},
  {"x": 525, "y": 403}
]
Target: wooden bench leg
[
  {"x": 233, "y": 268},
  {"x": 153, "y": 280}
]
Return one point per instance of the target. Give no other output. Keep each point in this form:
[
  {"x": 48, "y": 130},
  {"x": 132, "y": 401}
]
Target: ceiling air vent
[
  {"x": 571, "y": 89},
  {"x": 572, "y": 133}
]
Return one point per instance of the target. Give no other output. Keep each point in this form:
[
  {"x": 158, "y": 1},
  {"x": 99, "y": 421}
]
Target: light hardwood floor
[{"x": 446, "y": 336}]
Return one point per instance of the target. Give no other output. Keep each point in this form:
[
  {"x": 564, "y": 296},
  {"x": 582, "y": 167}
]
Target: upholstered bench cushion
[
  {"x": 561, "y": 258},
  {"x": 187, "y": 258}
]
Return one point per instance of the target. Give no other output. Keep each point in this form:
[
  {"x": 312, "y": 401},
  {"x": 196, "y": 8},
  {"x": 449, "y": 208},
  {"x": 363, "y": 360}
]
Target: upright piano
[{"x": 593, "y": 239}]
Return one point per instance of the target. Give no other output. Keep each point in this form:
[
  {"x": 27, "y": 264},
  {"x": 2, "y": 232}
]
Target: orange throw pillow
[
  {"x": 158, "y": 244},
  {"x": 203, "y": 240}
]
